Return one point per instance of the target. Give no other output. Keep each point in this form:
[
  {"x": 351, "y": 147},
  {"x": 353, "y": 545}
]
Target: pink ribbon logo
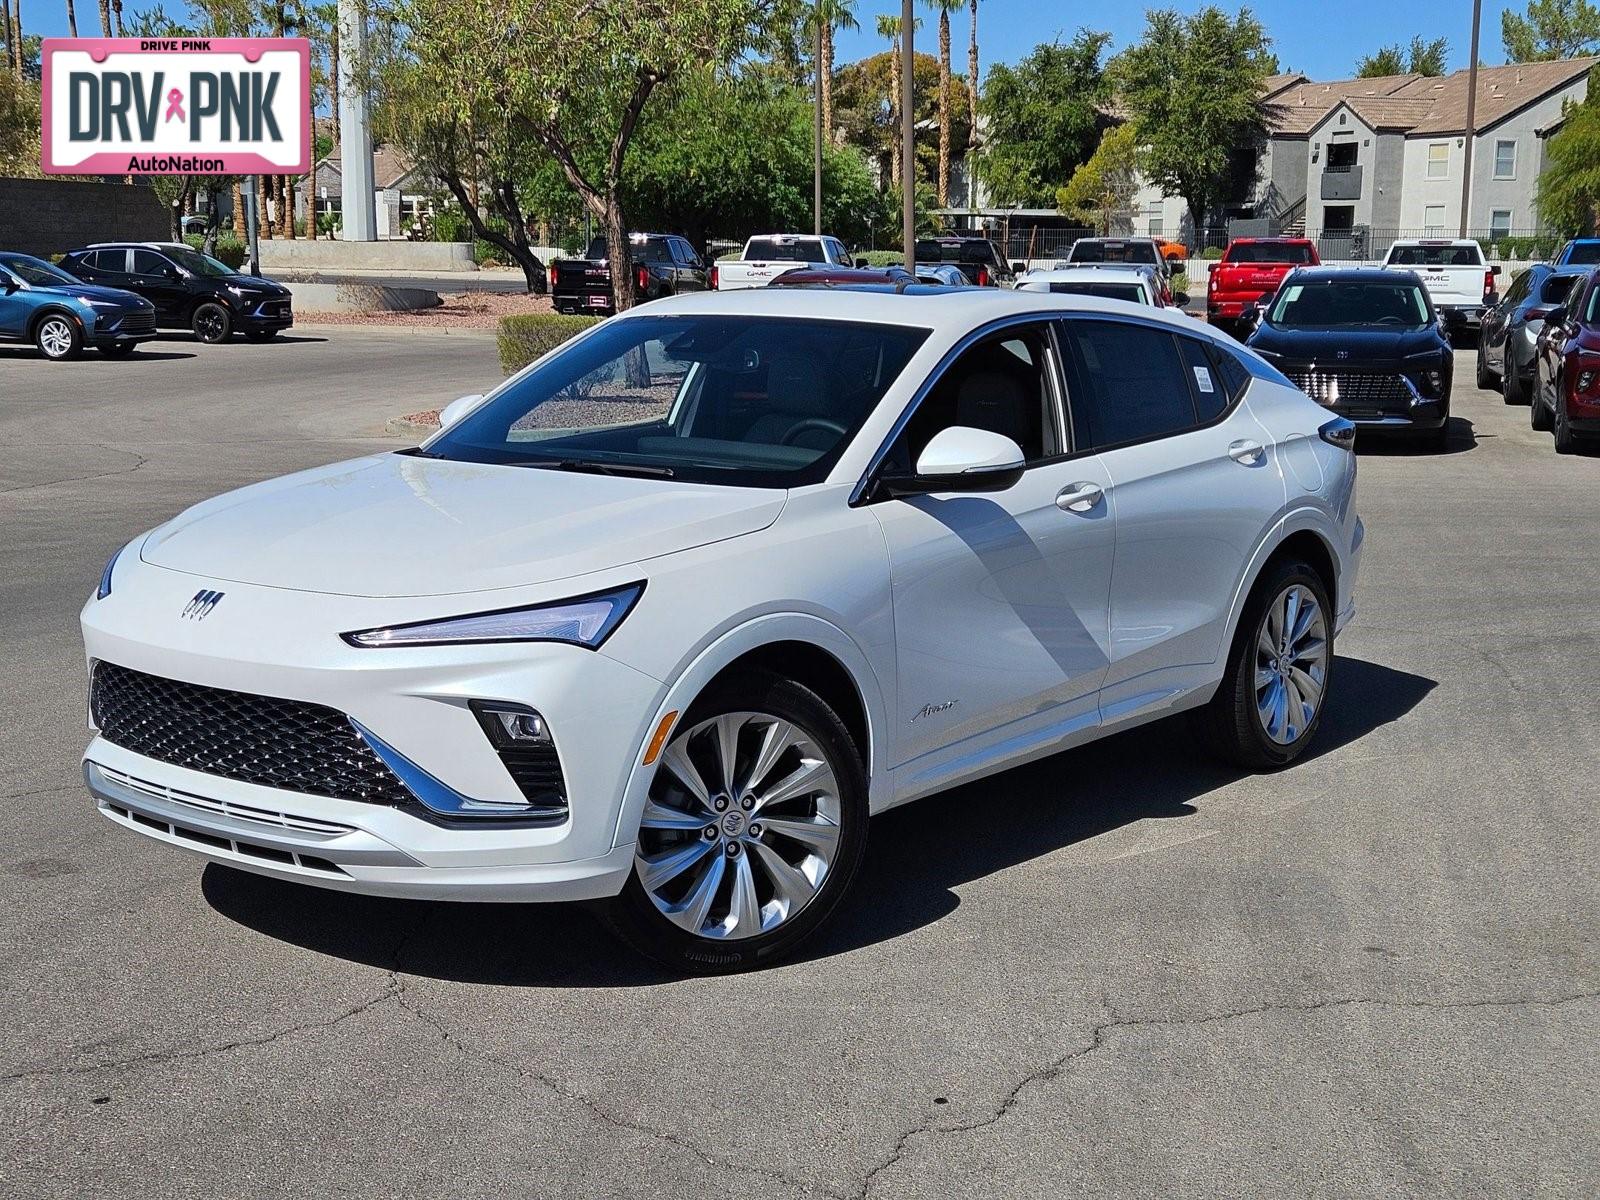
[{"x": 175, "y": 105}]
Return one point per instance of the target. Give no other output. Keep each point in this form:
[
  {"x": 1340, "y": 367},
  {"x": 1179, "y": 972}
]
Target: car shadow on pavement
[
  {"x": 132, "y": 360},
  {"x": 916, "y": 857},
  {"x": 1463, "y": 436}
]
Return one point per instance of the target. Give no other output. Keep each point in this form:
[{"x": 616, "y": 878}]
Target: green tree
[
  {"x": 1550, "y": 29},
  {"x": 1103, "y": 188},
  {"x": 944, "y": 8},
  {"x": 864, "y": 121},
  {"x": 1192, "y": 85},
  {"x": 1044, "y": 118},
  {"x": 889, "y": 27},
  {"x": 1568, "y": 197},
  {"x": 831, "y": 15},
  {"x": 1420, "y": 58},
  {"x": 19, "y": 126},
  {"x": 571, "y": 76}
]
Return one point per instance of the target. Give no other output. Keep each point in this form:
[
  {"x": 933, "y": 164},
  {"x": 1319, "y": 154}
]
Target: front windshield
[
  {"x": 1339, "y": 303},
  {"x": 751, "y": 401},
  {"x": 36, "y": 271},
  {"x": 1114, "y": 252},
  {"x": 192, "y": 261},
  {"x": 1110, "y": 291}
]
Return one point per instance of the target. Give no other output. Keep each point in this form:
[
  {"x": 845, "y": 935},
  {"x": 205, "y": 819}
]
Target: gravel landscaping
[{"x": 461, "y": 310}]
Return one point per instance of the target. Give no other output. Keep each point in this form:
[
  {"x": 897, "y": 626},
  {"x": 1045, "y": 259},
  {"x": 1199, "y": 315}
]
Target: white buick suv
[{"x": 669, "y": 614}]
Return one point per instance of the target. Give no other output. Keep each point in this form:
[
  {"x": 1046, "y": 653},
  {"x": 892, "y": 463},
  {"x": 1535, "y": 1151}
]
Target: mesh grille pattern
[
  {"x": 287, "y": 744},
  {"x": 1353, "y": 390},
  {"x": 139, "y": 322}
]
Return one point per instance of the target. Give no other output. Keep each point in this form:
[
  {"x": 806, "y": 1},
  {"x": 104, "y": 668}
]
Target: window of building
[
  {"x": 1500, "y": 223},
  {"x": 1157, "y": 224},
  {"x": 1433, "y": 220},
  {"x": 1438, "y": 160},
  {"x": 1505, "y": 159}
]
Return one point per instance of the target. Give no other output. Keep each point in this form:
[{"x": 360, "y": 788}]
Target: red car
[
  {"x": 1248, "y": 274},
  {"x": 1566, "y": 390}
]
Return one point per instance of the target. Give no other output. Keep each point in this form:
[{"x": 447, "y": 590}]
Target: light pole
[
  {"x": 360, "y": 220},
  {"x": 1472, "y": 101},
  {"x": 908, "y": 145},
  {"x": 816, "y": 159}
]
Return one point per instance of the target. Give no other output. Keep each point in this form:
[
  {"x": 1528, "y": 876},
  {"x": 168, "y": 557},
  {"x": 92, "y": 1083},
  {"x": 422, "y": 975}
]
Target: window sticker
[{"x": 1203, "y": 378}]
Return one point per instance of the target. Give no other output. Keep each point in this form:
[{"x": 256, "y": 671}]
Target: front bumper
[
  {"x": 121, "y": 329},
  {"x": 256, "y": 317},
  {"x": 270, "y": 642}
]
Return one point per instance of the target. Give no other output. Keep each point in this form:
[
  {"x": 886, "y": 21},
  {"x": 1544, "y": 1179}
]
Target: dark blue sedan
[{"x": 61, "y": 315}]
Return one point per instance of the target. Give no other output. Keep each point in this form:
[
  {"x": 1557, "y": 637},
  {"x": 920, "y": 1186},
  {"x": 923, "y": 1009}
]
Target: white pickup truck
[
  {"x": 768, "y": 255},
  {"x": 1459, "y": 282}
]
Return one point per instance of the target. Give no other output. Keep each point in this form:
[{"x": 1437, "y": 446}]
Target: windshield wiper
[{"x": 590, "y": 467}]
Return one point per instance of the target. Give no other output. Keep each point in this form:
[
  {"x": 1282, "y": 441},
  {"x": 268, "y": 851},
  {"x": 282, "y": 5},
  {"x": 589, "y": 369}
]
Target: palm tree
[
  {"x": 105, "y": 18},
  {"x": 972, "y": 80},
  {"x": 116, "y": 12},
  {"x": 72, "y": 20},
  {"x": 829, "y": 15},
  {"x": 945, "y": 8},
  {"x": 889, "y": 27}
]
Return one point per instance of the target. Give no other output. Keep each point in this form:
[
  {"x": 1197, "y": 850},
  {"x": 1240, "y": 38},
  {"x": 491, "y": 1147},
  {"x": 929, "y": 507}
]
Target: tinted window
[
  {"x": 1591, "y": 314},
  {"x": 1325, "y": 303},
  {"x": 974, "y": 250},
  {"x": 785, "y": 250},
  {"x": 1208, "y": 392},
  {"x": 35, "y": 271},
  {"x": 107, "y": 260},
  {"x": 1555, "y": 289},
  {"x": 753, "y": 401},
  {"x": 1111, "y": 291},
  {"x": 1583, "y": 252},
  {"x": 148, "y": 262},
  {"x": 1437, "y": 256},
  {"x": 1127, "y": 383},
  {"x": 1097, "y": 251},
  {"x": 1519, "y": 287},
  {"x": 1235, "y": 375},
  {"x": 1002, "y": 384},
  {"x": 1268, "y": 252}
]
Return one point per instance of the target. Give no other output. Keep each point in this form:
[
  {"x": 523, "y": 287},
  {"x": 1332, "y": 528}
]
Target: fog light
[{"x": 519, "y": 726}]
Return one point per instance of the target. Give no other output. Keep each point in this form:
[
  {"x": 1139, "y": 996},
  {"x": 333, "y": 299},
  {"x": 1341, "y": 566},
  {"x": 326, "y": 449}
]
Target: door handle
[
  {"x": 1079, "y": 497},
  {"x": 1247, "y": 452}
]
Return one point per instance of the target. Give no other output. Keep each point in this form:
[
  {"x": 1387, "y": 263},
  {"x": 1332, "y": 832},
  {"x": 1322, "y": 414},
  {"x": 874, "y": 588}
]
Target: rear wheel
[
  {"x": 58, "y": 337},
  {"x": 1566, "y": 440},
  {"x": 211, "y": 323},
  {"x": 1272, "y": 695},
  {"x": 755, "y": 824},
  {"x": 1513, "y": 389},
  {"x": 1538, "y": 414}
]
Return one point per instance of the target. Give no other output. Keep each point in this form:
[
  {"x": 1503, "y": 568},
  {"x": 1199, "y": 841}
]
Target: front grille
[
  {"x": 287, "y": 744},
  {"x": 139, "y": 322},
  {"x": 1365, "y": 393}
]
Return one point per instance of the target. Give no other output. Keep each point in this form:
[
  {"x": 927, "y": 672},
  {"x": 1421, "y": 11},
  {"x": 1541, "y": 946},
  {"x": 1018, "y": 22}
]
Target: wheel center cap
[{"x": 733, "y": 823}]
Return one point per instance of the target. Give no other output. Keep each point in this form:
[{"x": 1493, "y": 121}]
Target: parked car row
[
  {"x": 1541, "y": 347},
  {"x": 114, "y": 295}
]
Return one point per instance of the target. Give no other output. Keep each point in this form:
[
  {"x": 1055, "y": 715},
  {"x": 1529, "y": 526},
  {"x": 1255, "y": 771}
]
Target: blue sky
[
  {"x": 1305, "y": 35},
  {"x": 1007, "y": 29}
]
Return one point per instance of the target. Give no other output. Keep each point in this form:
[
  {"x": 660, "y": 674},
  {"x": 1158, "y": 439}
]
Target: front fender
[{"x": 732, "y": 644}]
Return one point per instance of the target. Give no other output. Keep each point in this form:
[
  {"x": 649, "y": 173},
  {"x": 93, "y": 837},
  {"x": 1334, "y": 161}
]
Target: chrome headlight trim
[
  {"x": 585, "y": 621},
  {"x": 104, "y": 589}
]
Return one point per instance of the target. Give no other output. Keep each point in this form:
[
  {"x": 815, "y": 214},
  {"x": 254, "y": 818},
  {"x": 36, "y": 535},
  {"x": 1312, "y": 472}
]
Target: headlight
[
  {"x": 1267, "y": 354},
  {"x": 90, "y": 302},
  {"x": 105, "y": 576},
  {"x": 585, "y": 621},
  {"x": 239, "y": 293}
]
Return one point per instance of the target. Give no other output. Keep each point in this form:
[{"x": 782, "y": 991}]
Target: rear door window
[
  {"x": 149, "y": 264},
  {"x": 1127, "y": 382}
]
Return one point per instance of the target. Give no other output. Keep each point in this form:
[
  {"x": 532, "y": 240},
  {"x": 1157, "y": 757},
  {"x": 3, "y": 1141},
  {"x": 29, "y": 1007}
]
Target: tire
[
  {"x": 58, "y": 337},
  {"x": 119, "y": 349},
  {"x": 1487, "y": 380},
  {"x": 1566, "y": 440},
  {"x": 211, "y": 323},
  {"x": 1512, "y": 388},
  {"x": 260, "y": 335},
  {"x": 739, "y": 849},
  {"x": 1232, "y": 724},
  {"x": 1538, "y": 414}
]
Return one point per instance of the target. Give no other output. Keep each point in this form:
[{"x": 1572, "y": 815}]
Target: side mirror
[
  {"x": 8, "y": 285},
  {"x": 1558, "y": 316},
  {"x": 456, "y": 409},
  {"x": 1180, "y": 299},
  {"x": 1211, "y": 267},
  {"x": 862, "y": 263},
  {"x": 962, "y": 459},
  {"x": 1251, "y": 316},
  {"x": 1494, "y": 269},
  {"x": 1017, "y": 268}
]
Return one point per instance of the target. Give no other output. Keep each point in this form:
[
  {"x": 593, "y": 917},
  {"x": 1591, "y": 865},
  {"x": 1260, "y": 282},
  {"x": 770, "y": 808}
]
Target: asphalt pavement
[{"x": 1123, "y": 971}]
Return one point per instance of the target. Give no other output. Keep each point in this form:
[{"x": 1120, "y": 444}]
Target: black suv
[{"x": 190, "y": 290}]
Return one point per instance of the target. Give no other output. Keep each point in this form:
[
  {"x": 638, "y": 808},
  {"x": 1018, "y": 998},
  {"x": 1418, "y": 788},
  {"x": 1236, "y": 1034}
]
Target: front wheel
[
  {"x": 1538, "y": 414},
  {"x": 211, "y": 323},
  {"x": 1486, "y": 378},
  {"x": 58, "y": 338},
  {"x": 755, "y": 823},
  {"x": 1513, "y": 390},
  {"x": 1566, "y": 440},
  {"x": 1275, "y": 686}
]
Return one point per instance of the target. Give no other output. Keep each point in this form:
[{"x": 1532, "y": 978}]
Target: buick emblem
[
  {"x": 1342, "y": 354},
  {"x": 200, "y": 607}
]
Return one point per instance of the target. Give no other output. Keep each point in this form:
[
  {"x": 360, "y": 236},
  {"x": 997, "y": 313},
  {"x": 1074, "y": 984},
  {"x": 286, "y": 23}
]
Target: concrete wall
[
  {"x": 52, "y": 216},
  {"x": 366, "y": 256}
]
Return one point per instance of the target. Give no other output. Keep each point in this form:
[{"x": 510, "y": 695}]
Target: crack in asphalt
[
  {"x": 1097, "y": 1039},
  {"x": 141, "y": 460}
]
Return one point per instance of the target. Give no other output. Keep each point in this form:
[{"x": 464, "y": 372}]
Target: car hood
[
  {"x": 91, "y": 292},
  {"x": 401, "y": 525},
  {"x": 255, "y": 285},
  {"x": 1360, "y": 345}
]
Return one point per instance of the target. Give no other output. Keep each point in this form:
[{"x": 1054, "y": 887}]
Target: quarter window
[
  {"x": 1505, "y": 159},
  {"x": 1127, "y": 383},
  {"x": 1206, "y": 389},
  {"x": 1438, "y": 160}
]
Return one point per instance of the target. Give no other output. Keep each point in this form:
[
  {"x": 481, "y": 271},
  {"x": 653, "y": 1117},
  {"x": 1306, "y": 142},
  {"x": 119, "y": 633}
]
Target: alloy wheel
[
  {"x": 1291, "y": 664},
  {"x": 55, "y": 337},
  {"x": 210, "y": 323},
  {"x": 741, "y": 828}
]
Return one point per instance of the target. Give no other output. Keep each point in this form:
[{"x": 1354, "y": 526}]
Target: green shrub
[
  {"x": 1180, "y": 282},
  {"x": 1211, "y": 253},
  {"x": 528, "y": 336},
  {"x": 230, "y": 250},
  {"x": 451, "y": 226},
  {"x": 1542, "y": 248},
  {"x": 883, "y": 258}
]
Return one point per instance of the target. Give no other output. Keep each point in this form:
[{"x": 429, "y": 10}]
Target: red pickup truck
[{"x": 1250, "y": 271}]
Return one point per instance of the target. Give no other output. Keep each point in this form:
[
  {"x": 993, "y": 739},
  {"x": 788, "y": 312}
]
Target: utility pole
[
  {"x": 355, "y": 131},
  {"x": 1472, "y": 127},
  {"x": 252, "y": 222},
  {"x": 908, "y": 142},
  {"x": 816, "y": 158}
]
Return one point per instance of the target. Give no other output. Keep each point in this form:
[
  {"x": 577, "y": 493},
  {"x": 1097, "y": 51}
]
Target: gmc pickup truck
[
  {"x": 1249, "y": 272},
  {"x": 1459, "y": 282},
  {"x": 662, "y": 264},
  {"x": 769, "y": 255}
]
